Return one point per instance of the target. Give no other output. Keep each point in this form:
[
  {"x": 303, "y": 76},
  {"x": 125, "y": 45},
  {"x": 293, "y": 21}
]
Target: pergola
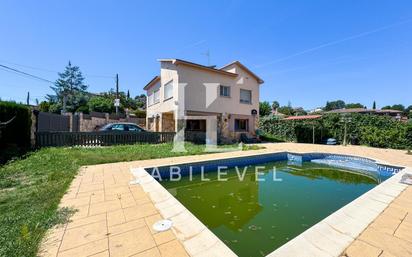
[{"x": 306, "y": 117}]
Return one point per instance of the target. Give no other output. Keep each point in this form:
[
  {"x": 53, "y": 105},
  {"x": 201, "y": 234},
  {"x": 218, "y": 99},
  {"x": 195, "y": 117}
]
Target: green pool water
[{"x": 255, "y": 217}]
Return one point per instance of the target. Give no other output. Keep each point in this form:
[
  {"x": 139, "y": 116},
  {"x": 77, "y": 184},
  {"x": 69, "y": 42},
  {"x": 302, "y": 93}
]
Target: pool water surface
[{"x": 255, "y": 217}]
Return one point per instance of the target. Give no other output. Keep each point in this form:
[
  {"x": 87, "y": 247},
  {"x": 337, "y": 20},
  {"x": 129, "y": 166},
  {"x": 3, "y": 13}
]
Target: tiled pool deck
[{"x": 115, "y": 218}]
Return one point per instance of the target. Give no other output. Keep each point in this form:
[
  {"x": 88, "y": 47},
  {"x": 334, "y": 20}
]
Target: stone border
[{"x": 329, "y": 237}]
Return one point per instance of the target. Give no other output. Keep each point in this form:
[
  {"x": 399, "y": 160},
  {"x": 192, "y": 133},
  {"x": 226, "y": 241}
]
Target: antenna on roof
[{"x": 208, "y": 56}]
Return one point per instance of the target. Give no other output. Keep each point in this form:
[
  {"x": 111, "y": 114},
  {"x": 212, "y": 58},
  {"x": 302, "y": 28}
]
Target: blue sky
[{"x": 307, "y": 52}]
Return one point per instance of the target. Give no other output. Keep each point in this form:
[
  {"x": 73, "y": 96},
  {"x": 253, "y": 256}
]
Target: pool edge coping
[
  {"x": 329, "y": 237},
  {"x": 196, "y": 238}
]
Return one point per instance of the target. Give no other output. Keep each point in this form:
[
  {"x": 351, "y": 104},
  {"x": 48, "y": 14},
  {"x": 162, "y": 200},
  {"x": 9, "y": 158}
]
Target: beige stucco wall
[
  {"x": 197, "y": 83},
  {"x": 201, "y": 81},
  {"x": 168, "y": 73}
]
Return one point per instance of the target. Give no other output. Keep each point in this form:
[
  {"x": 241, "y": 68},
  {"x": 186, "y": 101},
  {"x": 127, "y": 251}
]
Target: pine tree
[
  {"x": 70, "y": 89},
  {"x": 374, "y": 105},
  {"x": 128, "y": 94}
]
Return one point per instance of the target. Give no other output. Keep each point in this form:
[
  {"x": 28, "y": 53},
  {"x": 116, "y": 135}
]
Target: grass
[
  {"x": 271, "y": 138},
  {"x": 31, "y": 188}
]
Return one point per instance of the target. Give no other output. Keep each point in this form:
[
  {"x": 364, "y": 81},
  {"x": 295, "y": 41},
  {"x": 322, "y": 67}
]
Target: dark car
[{"x": 122, "y": 126}]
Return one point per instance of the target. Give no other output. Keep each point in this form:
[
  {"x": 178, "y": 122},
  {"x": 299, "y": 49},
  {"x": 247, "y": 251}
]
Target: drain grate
[{"x": 162, "y": 225}]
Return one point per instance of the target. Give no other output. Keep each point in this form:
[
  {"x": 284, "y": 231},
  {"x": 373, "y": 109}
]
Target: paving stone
[
  {"x": 127, "y": 201},
  {"x": 386, "y": 242},
  {"x": 102, "y": 254},
  {"x": 138, "y": 212},
  {"x": 86, "y": 249},
  {"x": 132, "y": 242},
  {"x": 164, "y": 237},
  {"x": 386, "y": 224},
  {"x": 87, "y": 220},
  {"x": 172, "y": 249},
  {"x": 75, "y": 202},
  {"x": 404, "y": 231},
  {"x": 127, "y": 226},
  {"x": 395, "y": 212},
  {"x": 362, "y": 249},
  {"x": 90, "y": 187},
  {"x": 105, "y": 206},
  {"x": 85, "y": 234},
  {"x": 153, "y": 252}
]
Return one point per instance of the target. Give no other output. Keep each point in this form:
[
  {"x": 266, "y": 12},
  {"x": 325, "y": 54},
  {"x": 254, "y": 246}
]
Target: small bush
[
  {"x": 140, "y": 114},
  {"x": 15, "y": 137}
]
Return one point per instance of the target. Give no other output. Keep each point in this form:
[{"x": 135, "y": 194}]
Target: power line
[
  {"x": 7, "y": 68},
  {"x": 54, "y": 71},
  {"x": 335, "y": 42}
]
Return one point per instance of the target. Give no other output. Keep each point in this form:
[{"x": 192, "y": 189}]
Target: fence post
[{"x": 34, "y": 127}]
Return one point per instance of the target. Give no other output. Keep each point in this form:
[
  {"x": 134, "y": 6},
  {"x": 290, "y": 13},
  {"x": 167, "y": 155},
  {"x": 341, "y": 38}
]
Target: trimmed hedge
[
  {"x": 15, "y": 137},
  {"x": 370, "y": 130}
]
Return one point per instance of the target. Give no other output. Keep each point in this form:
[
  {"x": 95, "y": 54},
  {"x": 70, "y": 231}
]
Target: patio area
[{"x": 115, "y": 218}]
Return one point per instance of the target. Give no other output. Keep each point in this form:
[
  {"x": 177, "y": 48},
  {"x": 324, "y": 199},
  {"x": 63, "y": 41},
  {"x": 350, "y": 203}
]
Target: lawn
[{"x": 31, "y": 188}]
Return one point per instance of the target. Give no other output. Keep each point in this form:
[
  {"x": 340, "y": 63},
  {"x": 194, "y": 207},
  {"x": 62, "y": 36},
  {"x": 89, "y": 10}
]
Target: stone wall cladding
[{"x": 94, "y": 123}]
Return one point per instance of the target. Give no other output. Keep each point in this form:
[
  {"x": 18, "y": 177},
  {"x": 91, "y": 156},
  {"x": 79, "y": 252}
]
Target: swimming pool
[{"x": 258, "y": 214}]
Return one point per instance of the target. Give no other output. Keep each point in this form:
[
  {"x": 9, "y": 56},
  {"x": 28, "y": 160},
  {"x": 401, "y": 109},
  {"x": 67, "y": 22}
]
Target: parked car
[
  {"x": 122, "y": 126},
  {"x": 330, "y": 141}
]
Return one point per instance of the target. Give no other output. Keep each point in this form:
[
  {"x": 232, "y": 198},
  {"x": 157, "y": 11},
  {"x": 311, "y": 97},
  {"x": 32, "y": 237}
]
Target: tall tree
[
  {"x": 264, "y": 108},
  {"x": 275, "y": 105},
  {"x": 70, "y": 88},
  {"x": 354, "y": 105},
  {"x": 334, "y": 105},
  {"x": 374, "y": 105},
  {"x": 398, "y": 107}
]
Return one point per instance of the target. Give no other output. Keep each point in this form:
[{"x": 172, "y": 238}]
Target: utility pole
[{"x": 117, "y": 101}]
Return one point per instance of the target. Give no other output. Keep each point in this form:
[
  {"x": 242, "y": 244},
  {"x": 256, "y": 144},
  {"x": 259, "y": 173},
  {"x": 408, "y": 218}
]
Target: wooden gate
[{"x": 52, "y": 122}]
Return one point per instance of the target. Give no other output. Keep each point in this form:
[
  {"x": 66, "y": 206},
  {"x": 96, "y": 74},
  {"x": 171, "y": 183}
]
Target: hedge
[
  {"x": 370, "y": 130},
  {"x": 15, "y": 137}
]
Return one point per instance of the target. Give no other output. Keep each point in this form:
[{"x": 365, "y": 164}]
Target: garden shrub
[
  {"x": 15, "y": 137},
  {"x": 370, "y": 130}
]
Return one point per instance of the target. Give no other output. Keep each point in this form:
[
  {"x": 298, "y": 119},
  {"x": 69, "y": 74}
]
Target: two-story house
[{"x": 230, "y": 93}]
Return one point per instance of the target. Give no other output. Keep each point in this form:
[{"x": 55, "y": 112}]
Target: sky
[{"x": 307, "y": 52}]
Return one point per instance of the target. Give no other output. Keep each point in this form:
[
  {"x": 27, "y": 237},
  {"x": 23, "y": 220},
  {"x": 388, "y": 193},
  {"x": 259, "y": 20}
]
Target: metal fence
[{"x": 101, "y": 138}]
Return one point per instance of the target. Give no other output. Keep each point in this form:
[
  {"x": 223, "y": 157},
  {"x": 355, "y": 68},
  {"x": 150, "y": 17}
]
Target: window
[
  {"x": 245, "y": 96},
  {"x": 196, "y": 125},
  {"x": 134, "y": 128},
  {"x": 156, "y": 96},
  {"x": 150, "y": 99},
  {"x": 241, "y": 125},
  {"x": 168, "y": 91},
  {"x": 225, "y": 91},
  {"x": 118, "y": 127}
]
